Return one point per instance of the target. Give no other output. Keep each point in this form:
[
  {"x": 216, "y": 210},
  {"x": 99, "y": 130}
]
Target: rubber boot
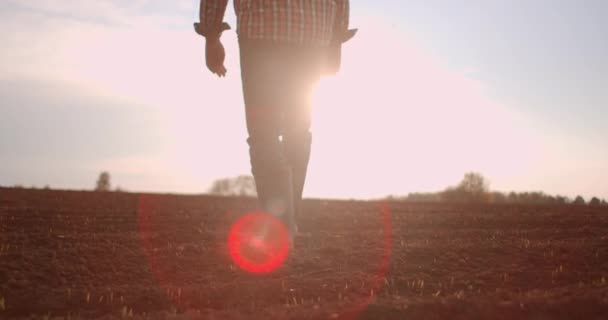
[
  {"x": 273, "y": 179},
  {"x": 297, "y": 154}
]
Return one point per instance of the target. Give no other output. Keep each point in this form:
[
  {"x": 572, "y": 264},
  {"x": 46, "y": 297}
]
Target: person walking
[{"x": 285, "y": 47}]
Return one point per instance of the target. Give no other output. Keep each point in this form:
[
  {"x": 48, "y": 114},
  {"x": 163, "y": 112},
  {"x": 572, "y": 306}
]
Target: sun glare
[{"x": 396, "y": 118}]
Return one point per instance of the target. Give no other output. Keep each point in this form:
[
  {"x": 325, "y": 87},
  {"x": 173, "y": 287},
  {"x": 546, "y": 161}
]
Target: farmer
[{"x": 285, "y": 46}]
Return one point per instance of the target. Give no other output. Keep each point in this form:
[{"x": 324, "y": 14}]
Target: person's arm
[
  {"x": 211, "y": 15},
  {"x": 211, "y": 26}
]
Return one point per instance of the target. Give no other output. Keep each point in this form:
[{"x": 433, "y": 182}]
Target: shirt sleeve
[
  {"x": 211, "y": 17},
  {"x": 341, "y": 22}
]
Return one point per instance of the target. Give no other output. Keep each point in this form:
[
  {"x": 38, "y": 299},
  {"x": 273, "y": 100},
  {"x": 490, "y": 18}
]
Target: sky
[{"x": 428, "y": 90}]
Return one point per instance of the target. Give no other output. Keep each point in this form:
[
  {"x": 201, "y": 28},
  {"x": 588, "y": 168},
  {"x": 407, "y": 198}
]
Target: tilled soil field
[{"x": 81, "y": 255}]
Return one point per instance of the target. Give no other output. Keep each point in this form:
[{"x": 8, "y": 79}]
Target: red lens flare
[{"x": 258, "y": 242}]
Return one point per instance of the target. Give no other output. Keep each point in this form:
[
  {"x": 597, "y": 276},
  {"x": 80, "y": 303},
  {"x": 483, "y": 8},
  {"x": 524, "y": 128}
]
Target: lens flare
[{"x": 258, "y": 242}]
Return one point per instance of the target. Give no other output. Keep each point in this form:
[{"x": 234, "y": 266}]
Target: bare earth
[{"x": 70, "y": 254}]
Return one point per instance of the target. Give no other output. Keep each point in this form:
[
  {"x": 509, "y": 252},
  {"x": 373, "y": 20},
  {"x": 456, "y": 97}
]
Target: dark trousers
[{"x": 277, "y": 87}]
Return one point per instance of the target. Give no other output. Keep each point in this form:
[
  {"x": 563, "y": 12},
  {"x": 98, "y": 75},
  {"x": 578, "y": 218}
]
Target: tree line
[{"x": 475, "y": 188}]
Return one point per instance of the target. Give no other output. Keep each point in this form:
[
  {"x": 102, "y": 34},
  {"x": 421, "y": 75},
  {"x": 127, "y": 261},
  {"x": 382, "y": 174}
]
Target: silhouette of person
[{"x": 285, "y": 47}]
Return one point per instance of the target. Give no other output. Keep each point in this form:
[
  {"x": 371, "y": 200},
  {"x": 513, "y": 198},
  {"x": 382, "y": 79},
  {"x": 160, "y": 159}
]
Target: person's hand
[{"x": 215, "y": 55}]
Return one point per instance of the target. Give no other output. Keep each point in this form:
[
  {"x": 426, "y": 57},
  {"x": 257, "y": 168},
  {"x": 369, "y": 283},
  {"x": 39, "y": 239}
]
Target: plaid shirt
[{"x": 298, "y": 22}]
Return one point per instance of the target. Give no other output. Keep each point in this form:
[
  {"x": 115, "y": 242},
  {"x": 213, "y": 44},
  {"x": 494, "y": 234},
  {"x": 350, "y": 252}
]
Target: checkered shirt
[{"x": 297, "y": 22}]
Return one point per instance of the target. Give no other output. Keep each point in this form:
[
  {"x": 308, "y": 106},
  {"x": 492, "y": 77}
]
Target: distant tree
[
  {"x": 472, "y": 188},
  {"x": 561, "y": 199},
  {"x": 539, "y": 197},
  {"x": 595, "y": 201},
  {"x": 604, "y": 203},
  {"x": 513, "y": 197},
  {"x": 243, "y": 185},
  {"x": 525, "y": 197},
  {"x": 474, "y": 183},
  {"x": 221, "y": 187},
  {"x": 46, "y": 187},
  {"x": 453, "y": 194},
  {"x": 579, "y": 200},
  {"x": 103, "y": 182},
  {"x": 497, "y": 197}
]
